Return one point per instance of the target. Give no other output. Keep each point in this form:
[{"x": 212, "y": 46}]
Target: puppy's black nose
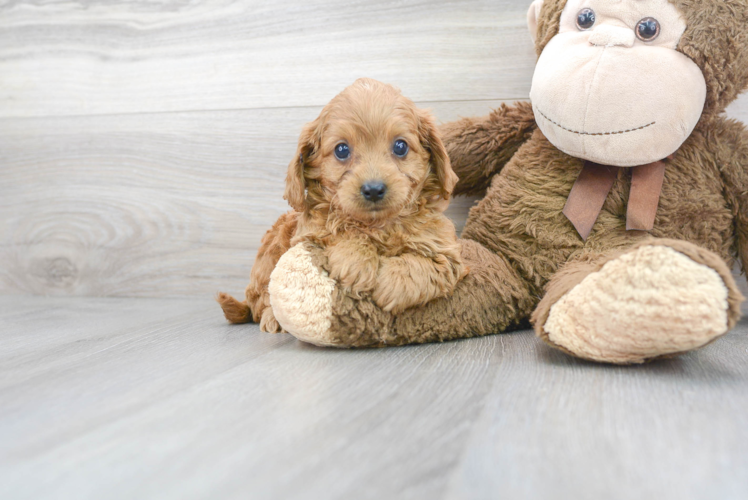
[{"x": 373, "y": 190}]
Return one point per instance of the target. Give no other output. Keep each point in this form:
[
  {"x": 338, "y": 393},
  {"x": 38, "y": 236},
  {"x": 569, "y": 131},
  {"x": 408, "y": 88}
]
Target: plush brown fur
[
  {"x": 517, "y": 241},
  {"x": 480, "y": 147},
  {"x": 400, "y": 251}
]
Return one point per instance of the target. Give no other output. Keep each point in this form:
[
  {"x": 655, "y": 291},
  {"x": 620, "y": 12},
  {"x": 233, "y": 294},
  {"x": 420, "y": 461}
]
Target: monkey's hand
[{"x": 480, "y": 147}]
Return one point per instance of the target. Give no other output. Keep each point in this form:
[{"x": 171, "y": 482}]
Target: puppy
[{"x": 369, "y": 184}]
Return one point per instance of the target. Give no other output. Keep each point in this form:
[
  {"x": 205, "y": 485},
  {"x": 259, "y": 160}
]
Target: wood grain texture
[
  {"x": 153, "y": 398},
  {"x": 557, "y": 427},
  {"x": 150, "y": 205},
  {"x": 93, "y": 57},
  {"x": 156, "y": 205},
  {"x": 111, "y": 183},
  {"x": 143, "y": 147}
]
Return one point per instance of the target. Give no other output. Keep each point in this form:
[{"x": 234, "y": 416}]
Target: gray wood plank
[
  {"x": 739, "y": 109},
  {"x": 124, "y": 56},
  {"x": 196, "y": 408},
  {"x": 90, "y": 57},
  {"x": 163, "y": 204},
  {"x": 152, "y": 398},
  {"x": 151, "y": 205},
  {"x": 557, "y": 427}
]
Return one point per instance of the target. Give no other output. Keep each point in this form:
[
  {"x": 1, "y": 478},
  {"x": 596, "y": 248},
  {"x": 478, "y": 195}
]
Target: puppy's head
[{"x": 370, "y": 154}]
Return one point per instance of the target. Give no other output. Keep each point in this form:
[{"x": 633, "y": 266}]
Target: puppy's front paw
[
  {"x": 394, "y": 297},
  {"x": 354, "y": 264},
  {"x": 404, "y": 282}
]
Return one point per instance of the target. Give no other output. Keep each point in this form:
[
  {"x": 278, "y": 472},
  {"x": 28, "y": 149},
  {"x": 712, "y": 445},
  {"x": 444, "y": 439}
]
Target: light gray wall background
[{"x": 143, "y": 144}]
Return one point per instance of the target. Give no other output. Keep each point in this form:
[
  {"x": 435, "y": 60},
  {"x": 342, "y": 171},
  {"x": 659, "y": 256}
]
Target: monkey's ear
[
  {"x": 439, "y": 161},
  {"x": 532, "y": 18},
  {"x": 295, "y": 178}
]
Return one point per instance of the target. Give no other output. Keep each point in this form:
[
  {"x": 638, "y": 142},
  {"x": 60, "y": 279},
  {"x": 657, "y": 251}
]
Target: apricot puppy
[{"x": 369, "y": 183}]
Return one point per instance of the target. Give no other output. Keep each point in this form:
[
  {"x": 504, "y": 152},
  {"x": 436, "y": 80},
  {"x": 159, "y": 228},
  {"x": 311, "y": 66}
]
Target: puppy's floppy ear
[
  {"x": 308, "y": 146},
  {"x": 439, "y": 161}
]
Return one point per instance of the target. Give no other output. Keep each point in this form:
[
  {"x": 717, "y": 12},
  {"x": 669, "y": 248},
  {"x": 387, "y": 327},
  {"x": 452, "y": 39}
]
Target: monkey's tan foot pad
[
  {"x": 652, "y": 301},
  {"x": 301, "y": 297}
]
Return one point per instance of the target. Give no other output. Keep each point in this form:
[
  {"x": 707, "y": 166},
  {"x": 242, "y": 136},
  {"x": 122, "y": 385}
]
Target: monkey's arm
[
  {"x": 480, "y": 147},
  {"x": 732, "y": 155}
]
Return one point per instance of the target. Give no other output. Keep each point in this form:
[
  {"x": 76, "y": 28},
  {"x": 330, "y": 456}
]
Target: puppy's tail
[{"x": 235, "y": 311}]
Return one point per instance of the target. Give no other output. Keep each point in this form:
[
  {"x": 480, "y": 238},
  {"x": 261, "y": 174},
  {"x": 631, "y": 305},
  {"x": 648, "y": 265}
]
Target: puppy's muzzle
[{"x": 373, "y": 191}]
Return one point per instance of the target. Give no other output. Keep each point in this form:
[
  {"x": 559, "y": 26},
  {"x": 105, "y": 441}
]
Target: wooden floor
[{"x": 160, "y": 398}]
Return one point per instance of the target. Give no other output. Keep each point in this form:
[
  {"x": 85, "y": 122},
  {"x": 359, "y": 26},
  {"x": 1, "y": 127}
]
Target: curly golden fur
[{"x": 398, "y": 248}]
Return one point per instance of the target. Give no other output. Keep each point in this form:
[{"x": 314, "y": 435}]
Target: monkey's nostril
[{"x": 373, "y": 190}]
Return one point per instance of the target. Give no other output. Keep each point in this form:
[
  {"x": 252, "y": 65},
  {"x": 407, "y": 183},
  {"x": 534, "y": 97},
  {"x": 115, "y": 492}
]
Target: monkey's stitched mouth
[{"x": 595, "y": 133}]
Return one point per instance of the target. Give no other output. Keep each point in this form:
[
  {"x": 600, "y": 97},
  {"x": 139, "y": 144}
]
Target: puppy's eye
[
  {"x": 648, "y": 29},
  {"x": 342, "y": 151},
  {"x": 585, "y": 19},
  {"x": 400, "y": 148}
]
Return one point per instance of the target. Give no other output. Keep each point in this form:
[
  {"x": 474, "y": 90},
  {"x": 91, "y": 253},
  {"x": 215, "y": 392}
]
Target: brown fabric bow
[{"x": 588, "y": 195}]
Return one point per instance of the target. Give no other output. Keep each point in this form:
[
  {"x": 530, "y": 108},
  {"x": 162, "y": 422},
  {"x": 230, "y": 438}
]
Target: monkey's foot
[
  {"x": 301, "y": 297},
  {"x": 657, "y": 299}
]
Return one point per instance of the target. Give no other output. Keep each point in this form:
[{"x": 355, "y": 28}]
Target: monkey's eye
[
  {"x": 648, "y": 29},
  {"x": 342, "y": 151},
  {"x": 585, "y": 19},
  {"x": 400, "y": 148}
]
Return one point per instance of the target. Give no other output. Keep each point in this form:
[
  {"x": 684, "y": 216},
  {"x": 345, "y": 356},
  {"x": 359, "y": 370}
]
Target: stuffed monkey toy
[{"x": 615, "y": 204}]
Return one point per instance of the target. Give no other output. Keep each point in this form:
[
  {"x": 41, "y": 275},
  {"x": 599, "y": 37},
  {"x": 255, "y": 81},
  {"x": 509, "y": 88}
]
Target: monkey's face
[{"x": 610, "y": 86}]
